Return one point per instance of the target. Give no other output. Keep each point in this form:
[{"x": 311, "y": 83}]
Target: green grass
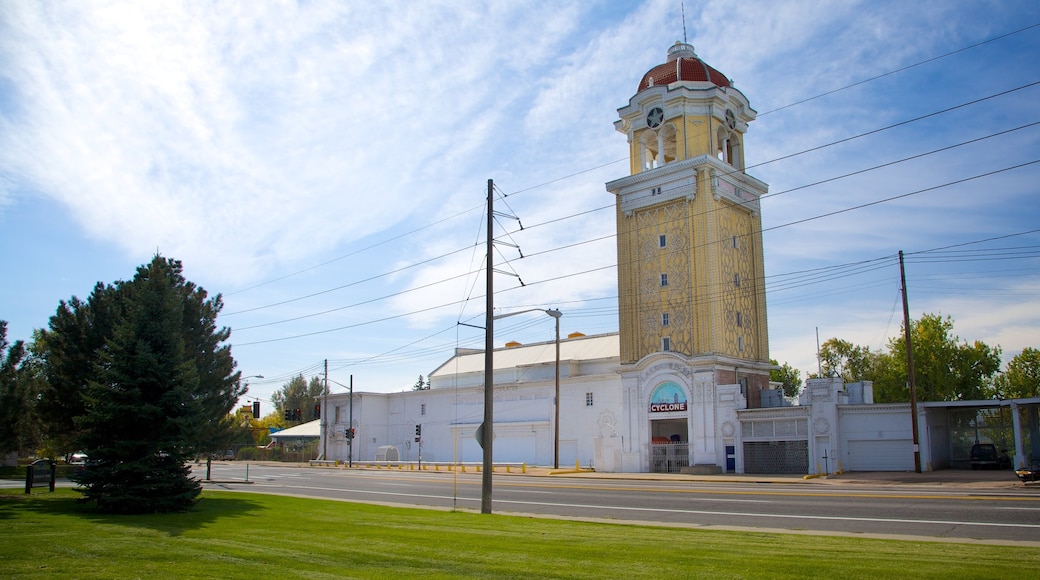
[{"x": 242, "y": 535}]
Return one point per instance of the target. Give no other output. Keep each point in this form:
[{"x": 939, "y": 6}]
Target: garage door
[{"x": 891, "y": 455}]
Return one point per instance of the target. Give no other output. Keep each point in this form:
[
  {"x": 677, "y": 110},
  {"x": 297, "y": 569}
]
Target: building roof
[
  {"x": 584, "y": 348},
  {"x": 307, "y": 430},
  {"x": 683, "y": 65}
]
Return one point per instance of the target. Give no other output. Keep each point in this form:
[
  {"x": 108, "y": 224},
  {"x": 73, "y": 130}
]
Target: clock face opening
[
  {"x": 654, "y": 118},
  {"x": 731, "y": 119}
]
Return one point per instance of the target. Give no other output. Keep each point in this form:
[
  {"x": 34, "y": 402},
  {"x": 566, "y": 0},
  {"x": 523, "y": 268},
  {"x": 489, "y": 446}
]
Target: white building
[{"x": 684, "y": 384}]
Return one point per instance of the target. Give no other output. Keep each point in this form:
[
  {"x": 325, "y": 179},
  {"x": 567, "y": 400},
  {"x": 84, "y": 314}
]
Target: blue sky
[{"x": 323, "y": 165}]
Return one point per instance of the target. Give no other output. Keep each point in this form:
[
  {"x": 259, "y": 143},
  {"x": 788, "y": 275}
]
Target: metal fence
[
  {"x": 776, "y": 456},
  {"x": 669, "y": 457}
]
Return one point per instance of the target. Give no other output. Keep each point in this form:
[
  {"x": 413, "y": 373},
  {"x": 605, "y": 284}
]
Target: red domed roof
[{"x": 682, "y": 65}]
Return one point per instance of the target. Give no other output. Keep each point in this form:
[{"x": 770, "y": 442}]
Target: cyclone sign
[{"x": 668, "y": 397}]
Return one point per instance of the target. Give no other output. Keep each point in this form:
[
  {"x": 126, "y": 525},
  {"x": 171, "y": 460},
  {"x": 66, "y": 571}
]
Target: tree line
[
  {"x": 946, "y": 368},
  {"x": 139, "y": 377}
]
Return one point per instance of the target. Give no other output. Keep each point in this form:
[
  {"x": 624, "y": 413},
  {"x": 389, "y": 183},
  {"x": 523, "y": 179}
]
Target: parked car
[
  {"x": 1031, "y": 473},
  {"x": 986, "y": 456}
]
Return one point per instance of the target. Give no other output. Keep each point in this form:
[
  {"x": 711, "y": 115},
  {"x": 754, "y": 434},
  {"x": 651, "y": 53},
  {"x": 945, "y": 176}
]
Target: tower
[{"x": 690, "y": 262}]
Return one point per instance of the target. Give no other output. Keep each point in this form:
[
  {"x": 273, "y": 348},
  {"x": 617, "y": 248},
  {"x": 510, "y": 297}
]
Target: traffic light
[
  {"x": 350, "y": 433},
  {"x": 418, "y": 430},
  {"x": 317, "y": 410},
  {"x": 297, "y": 415},
  {"x": 256, "y": 409},
  {"x": 288, "y": 415}
]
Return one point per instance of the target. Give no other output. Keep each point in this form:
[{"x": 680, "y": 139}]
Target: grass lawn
[{"x": 244, "y": 535}]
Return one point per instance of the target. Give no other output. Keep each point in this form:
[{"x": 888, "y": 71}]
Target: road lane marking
[{"x": 674, "y": 511}]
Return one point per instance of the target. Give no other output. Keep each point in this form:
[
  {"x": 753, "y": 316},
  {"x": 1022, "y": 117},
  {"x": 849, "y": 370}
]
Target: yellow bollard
[
  {"x": 463, "y": 468},
  {"x": 523, "y": 468},
  {"x": 436, "y": 467},
  {"x": 507, "y": 469},
  {"x": 577, "y": 466},
  {"x": 479, "y": 467}
]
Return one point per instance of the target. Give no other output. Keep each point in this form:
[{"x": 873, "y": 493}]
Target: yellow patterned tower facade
[{"x": 690, "y": 262}]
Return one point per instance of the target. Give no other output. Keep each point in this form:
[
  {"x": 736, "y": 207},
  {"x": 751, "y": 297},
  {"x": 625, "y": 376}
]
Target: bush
[{"x": 249, "y": 454}]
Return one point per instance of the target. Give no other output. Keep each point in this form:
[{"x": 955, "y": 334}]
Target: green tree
[
  {"x": 945, "y": 368},
  {"x": 299, "y": 394},
  {"x": 788, "y": 377},
  {"x": 158, "y": 393},
  {"x": 421, "y": 384},
  {"x": 1021, "y": 378},
  {"x": 15, "y": 410},
  {"x": 69, "y": 352},
  {"x": 841, "y": 358}
]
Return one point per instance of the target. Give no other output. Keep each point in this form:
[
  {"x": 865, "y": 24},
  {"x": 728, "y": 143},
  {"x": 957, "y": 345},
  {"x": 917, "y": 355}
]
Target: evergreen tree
[
  {"x": 68, "y": 352},
  {"x": 421, "y": 384},
  {"x": 157, "y": 394},
  {"x": 14, "y": 396}
]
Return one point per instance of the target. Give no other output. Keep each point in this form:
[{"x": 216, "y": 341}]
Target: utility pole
[
  {"x": 911, "y": 381},
  {"x": 324, "y": 414},
  {"x": 556, "y": 424},
  {"x": 487, "y": 428},
  {"x": 350, "y": 426}
]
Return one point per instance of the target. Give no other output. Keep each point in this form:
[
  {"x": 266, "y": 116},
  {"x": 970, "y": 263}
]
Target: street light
[
  {"x": 556, "y": 401},
  {"x": 554, "y": 313}
]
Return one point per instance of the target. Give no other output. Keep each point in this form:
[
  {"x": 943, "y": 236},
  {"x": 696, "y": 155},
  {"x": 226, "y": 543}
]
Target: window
[
  {"x": 337, "y": 414},
  {"x": 655, "y": 191},
  {"x": 422, "y": 409},
  {"x": 743, "y": 386},
  {"x": 736, "y": 280},
  {"x": 664, "y": 279},
  {"x": 740, "y": 344},
  {"x": 740, "y": 319},
  {"x": 665, "y": 319},
  {"x": 588, "y": 399},
  {"x": 666, "y": 344},
  {"x": 736, "y": 244},
  {"x": 662, "y": 241}
]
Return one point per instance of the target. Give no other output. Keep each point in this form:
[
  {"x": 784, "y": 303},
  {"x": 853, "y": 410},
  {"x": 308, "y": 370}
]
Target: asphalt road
[{"x": 1004, "y": 514}]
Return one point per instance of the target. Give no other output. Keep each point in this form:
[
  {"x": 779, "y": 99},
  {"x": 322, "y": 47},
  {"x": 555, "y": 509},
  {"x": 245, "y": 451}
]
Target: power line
[
  {"x": 899, "y": 70},
  {"x": 607, "y": 164}
]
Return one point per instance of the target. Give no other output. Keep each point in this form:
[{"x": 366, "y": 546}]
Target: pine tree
[{"x": 162, "y": 394}]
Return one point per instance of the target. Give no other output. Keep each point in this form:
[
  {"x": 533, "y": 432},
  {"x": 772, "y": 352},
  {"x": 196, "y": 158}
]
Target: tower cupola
[
  {"x": 685, "y": 108},
  {"x": 683, "y": 65}
]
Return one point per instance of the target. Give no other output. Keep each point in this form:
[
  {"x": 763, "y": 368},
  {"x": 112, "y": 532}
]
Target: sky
[{"x": 323, "y": 166}]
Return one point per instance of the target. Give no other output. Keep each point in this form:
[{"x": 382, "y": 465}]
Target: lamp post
[
  {"x": 556, "y": 400},
  {"x": 556, "y": 314}
]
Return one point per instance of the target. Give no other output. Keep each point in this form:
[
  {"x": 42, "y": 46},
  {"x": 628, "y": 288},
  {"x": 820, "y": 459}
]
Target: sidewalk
[
  {"x": 967, "y": 479},
  {"x": 947, "y": 478}
]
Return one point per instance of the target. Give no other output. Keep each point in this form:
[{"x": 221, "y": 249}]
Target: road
[{"x": 998, "y": 515}]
